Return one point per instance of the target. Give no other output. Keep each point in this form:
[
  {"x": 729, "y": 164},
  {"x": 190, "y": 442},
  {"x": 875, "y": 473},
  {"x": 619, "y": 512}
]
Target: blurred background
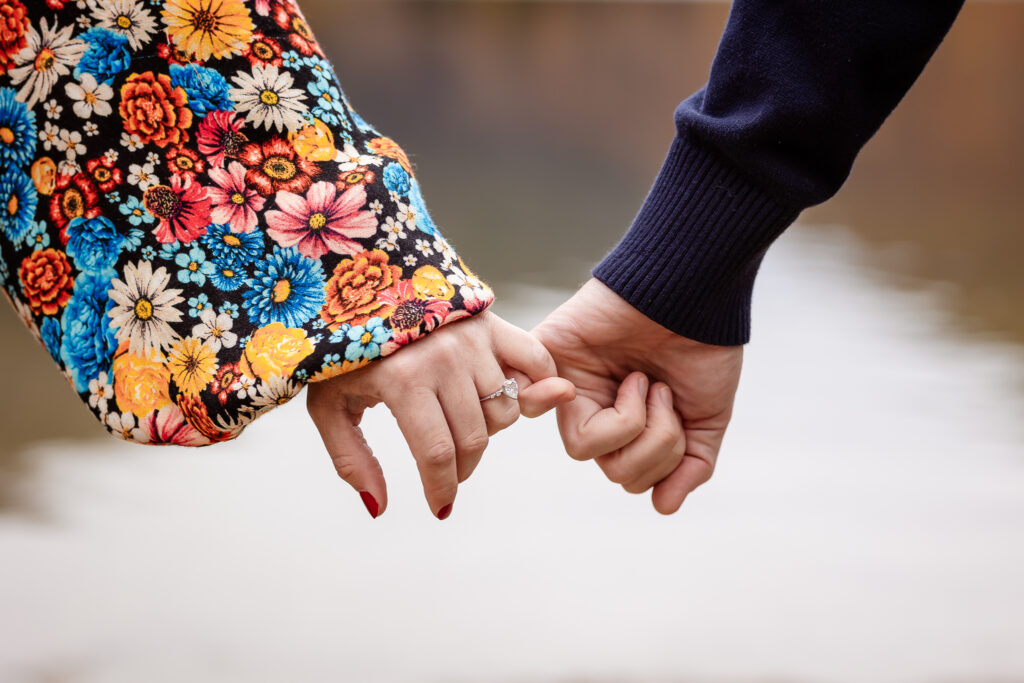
[{"x": 866, "y": 521}]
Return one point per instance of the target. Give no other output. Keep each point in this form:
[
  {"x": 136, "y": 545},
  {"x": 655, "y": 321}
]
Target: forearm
[
  {"x": 795, "y": 91},
  {"x": 199, "y": 226}
]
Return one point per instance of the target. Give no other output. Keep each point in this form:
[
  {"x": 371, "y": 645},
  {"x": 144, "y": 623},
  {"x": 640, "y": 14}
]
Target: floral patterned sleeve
[{"x": 194, "y": 221}]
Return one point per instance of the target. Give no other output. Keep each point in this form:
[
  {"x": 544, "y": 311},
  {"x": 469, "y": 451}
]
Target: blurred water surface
[{"x": 867, "y": 517}]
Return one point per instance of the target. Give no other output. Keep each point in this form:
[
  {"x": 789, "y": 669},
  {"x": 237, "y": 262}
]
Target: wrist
[{"x": 690, "y": 258}]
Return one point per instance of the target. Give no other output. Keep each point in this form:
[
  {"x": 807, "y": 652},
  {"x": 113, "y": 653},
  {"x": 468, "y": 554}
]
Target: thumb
[
  {"x": 540, "y": 397},
  {"x": 352, "y": 456}
]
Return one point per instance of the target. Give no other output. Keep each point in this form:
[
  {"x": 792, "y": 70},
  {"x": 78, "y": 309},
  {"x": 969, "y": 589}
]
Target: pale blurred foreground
[{"x": 864, "y": 525}]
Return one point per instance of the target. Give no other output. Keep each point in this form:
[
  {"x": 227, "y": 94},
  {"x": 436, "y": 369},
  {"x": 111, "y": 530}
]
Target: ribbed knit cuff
[{"x": 690, "y": 258}]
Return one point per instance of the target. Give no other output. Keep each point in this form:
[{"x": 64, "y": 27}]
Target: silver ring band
[{"x": 509, "y": 388}]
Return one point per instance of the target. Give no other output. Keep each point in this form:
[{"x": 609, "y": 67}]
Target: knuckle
[
  {"x": 616, "y": 471},
  {"x": 636, "y": 487},
  {"x": 439, "y": 454},
  {"x": 474, "y": 443},
  {"x": 574, "y": 448},
  {"x": 346, "y": 468}
]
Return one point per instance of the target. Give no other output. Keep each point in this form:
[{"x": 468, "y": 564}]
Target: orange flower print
[
  {"x": 46, "y": 278},
  {"x": 13, "y": 26},
  {"x": 386, "y": 147},
  {"x": 153, "y": 110},
  {"x": 353, "y": 292}
]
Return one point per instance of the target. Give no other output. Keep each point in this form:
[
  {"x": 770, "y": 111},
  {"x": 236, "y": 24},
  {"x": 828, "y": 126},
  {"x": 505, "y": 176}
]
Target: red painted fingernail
[
  {"x": 371, "y": 503},
  {"x": 445, "y": 511}
]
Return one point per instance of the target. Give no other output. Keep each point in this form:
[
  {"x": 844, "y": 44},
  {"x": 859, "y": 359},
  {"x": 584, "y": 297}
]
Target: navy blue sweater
[{"x": 795, "y": 90}]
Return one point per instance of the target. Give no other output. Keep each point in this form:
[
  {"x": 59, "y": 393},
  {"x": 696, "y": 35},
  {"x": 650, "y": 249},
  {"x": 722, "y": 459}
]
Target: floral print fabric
[{"x": 194, "y": 222}]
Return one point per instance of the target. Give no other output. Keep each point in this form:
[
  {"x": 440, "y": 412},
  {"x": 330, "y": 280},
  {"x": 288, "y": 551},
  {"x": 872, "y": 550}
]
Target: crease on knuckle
[
  {"x": 345, "y": 467},
  {"x": 439, "y": 454},
  {"x": 473, "y": 444}
]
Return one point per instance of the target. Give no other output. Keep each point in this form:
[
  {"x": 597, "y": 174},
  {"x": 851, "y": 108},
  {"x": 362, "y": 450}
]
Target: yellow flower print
[
  {"x": 141, "y": 384},
  {"x": 332, "y": 370},
  {"x": 314, "y": 143},
  {"x": 192, "y": 364},
  {"x": 430, "y": 283},
  {"x": 275, "y": 350},
  {"x": 208, "y": 28}
]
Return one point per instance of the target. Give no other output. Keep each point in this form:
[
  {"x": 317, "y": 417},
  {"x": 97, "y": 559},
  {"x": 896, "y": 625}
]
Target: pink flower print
[
  {"x": 234, "y": 204},
  {"x": 322, "y": 221}
]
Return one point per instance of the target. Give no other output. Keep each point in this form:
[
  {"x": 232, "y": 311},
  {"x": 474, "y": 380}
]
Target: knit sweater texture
[{"x": 795, "y": 91}]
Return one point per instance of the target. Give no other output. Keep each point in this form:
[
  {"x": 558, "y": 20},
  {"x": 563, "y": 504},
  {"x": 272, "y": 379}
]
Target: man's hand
[{"x": 664, "y": 434}]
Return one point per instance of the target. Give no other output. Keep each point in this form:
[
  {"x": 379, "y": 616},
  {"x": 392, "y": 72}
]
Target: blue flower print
[
  {"x": 229, "y": 307},
  {"x": 340, "y": 335},
  {"x": 317, "y": 67},
  {"x": 291, "y": 59},
  {"x": 169, "y": 251},
  {"x": 207, "y": 90},
  {"x": 17, "y": 131},
  {"x": 133, "y": 240},
  {"x": 106, "y": 56},
  {"x": 148, "y": 252},
  {"x": 361, "y": 123},
  {"x": 233, "y": 250},
  {"x": 5, "y": 273},
  {"x": 329, "y": 107},
  {"x": 114, "y": 197},
  {"x": 226, "y": 277},
  {"x": 365, "y": 340},
  {"x": 198, "y": 304},
  {"x": 194, "y": 266},
  {"x": 396, "y": 179},
  {"x": 89, "y": 341},
  {"x": 37, "y": 235},
  {"x": 424, "y": 222},
  {"x": 93, "y": 243},
  {"x": 136, "y": 212},
  {"x": 51, "y": 333},
  {"x": 18, "y": 199},
  {"x": 286, "y": 287}
]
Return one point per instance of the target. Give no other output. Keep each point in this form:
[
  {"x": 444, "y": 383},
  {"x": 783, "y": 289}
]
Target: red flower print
[
  {"x": 104, "y": 173},
  {"x": 361, "y": 175},
  {"x": 227, "y": 381},
  {"x": 154, "y": 110},
  {"x": 183, "y": 210},
  {"x": 185, "y": 164},
  {"x": 219, "y": 136},
  {"x": 46, "y": 278},
  {"x": 322, "y": 221},
  {"x": 233, "y": 203},
  {"x": 410, "y": 312},
  {"x": 14, "y": 24},
  {"x": 274, "y": 166},
  {"x": 74, "y": 196},
  {"x": 175, "y": 55},
  {"x": 196, "y": 414},
  {"x": 169, "y": 426},
  {"x": 263, "y": 51},
  {"x": 290, "y": 19}
]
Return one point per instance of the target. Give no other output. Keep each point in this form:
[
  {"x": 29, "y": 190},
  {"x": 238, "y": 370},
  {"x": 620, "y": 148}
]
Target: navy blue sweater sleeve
[{"x": 795, "y": 91}]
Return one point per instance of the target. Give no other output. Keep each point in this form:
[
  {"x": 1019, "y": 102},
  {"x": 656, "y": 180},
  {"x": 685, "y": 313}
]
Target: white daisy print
[
  {"x": 376, "y": 207},
  {"x": 127, "y": 17},
  {"x": 409, "y": 260},
  {"x": 470, "y": 286},
  {"x": 395, "y": 229},
  {"x": 423, "y": 247},
  {"x": 275, "y": 391},
  {"x": 100, "y": 391},
  {"x": 49, "y": 136},
  {"x": 53, "y": 109},
  {"x": 269, "y": 99},
  {"x": 123, "y": 425},
  {"x": 89, "y": 97},
  {"x": 68, "y": 167},
  {"x": 407, "y": 215},
  {"x": 70, "y": 141},
  {"x": 132, "y": 142},
  {"x": 145, "y": 307},
  {"x": 349, "y": 158},
  {"x": 90, "y": 128},
  {"x": 49, "y": 55},
  {"x": 143, "y": 175},
  {"x": 246, "y": 387},
  {"x": 215, "y": 330},
  {"x": 111, "y": 155}
]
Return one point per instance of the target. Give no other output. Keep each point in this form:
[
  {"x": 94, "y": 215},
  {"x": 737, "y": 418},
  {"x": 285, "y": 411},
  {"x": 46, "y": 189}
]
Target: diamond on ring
[{"x": 509, "y": 388}]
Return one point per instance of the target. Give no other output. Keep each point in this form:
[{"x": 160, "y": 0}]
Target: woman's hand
[{"x": 433, "y": 388}]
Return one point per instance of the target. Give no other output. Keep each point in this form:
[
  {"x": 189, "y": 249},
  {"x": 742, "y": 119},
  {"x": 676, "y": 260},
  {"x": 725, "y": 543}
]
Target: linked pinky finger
[{"x": 668, "y": 494}]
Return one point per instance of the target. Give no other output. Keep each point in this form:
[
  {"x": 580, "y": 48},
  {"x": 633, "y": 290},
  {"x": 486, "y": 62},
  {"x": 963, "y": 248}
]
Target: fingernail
[
  {"x": 666, "y": 395},
  {"x": 644, "y": 384},
  {"x": 445, "y": 511},
  {"x": 371, "y": 503}
]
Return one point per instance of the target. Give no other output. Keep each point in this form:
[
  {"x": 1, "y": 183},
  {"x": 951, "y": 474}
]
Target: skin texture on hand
[
  {"x": 651, "y": 407},
  {"x": 433, "y": 388}
]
